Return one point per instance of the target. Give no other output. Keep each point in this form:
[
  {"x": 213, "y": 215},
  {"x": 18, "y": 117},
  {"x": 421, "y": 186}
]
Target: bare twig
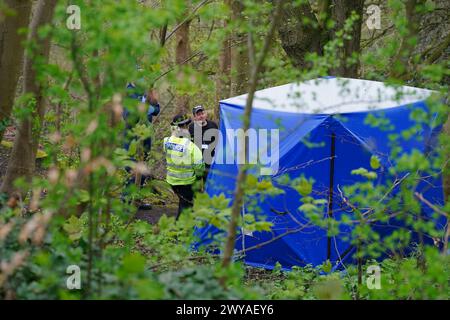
[
  {"x": 188, "y": 18},
  {"x": 432, "y": 206},
  {"x": 259, "y": 245}
]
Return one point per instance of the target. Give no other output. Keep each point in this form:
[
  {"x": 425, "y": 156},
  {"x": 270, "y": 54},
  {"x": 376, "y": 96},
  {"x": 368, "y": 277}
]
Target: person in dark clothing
[
  {"x": 131, "y": 120},
  {"x": 204, "y": 134}
]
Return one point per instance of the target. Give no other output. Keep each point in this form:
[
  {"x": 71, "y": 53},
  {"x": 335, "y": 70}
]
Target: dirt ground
[{"x": 153, "y": 216}]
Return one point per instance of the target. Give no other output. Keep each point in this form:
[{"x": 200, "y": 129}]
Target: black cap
[
  {"x": 180, "y": 120},
  {"x": 197, "y": 109}
]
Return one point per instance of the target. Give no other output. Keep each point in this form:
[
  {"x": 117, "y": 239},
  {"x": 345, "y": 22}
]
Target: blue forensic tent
[{"x": 325, "y": 130}]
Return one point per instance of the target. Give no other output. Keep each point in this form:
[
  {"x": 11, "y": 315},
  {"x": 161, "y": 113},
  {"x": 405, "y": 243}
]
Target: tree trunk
[
  {"x": 181, "y": 55},
  {"x": 433, "y": 46},
  {"x": 298, "y": 38},
  {"x": 223, "y": 76},
  {"x": 11, "y": 56},
  {"x": 23, "y": 156},
  {"x": 341, "y": 11},
  {"x": 239, "y": 54},
  {"x": 400, "y": 64},
  {"x": 434, "y": 36}
]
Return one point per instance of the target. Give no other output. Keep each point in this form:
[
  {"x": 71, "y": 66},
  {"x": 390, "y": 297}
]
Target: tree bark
[
  {"x": 433, "y": 47},
  {"x": 299, "y": 38},
  {"x": 223, "y": 80},
  {"x": 239, "y": 54},
  {"x": 341, "y": 11},
  {"x": 434, "y": 35},
  {"x": 11, "y": 56},
  {"x": 182, "y": 53},
  {"x": 400, "y": 64},
  {"x": 23, "y": 156}
]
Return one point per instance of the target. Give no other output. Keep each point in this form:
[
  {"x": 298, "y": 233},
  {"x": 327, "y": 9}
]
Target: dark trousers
[
  {"x": 147, "y": 144},
  {"x": 186, "y": 197}
]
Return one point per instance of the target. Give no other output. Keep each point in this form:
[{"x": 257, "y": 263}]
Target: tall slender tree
[
  {"x": 223, "y": 79},
  {"x": 182, "y": 54},
  {"x": 23, "y": 156},
  {"x": 348, "y": 63},
  {"x": 11, "y": 54},
  {"x": 400, "y": 64},
  {"x": 239, "y": 53}
]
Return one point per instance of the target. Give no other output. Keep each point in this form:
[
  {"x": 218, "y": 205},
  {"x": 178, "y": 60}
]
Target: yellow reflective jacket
[{"x": 184, "y": 161}]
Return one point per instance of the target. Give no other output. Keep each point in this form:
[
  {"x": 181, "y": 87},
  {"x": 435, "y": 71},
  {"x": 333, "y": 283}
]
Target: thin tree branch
[
  {"x": 239, "y": 192},
  {"x": 188, "y": 18}
]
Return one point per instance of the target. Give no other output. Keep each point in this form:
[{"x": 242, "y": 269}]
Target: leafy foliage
[{"x": 82, "y": 212}]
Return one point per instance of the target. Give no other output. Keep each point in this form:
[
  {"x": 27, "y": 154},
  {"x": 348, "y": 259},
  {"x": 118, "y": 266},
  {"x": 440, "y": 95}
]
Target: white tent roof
[{"x": 332, "y": 95}]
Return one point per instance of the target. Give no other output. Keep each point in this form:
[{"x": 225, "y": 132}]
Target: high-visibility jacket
[{"x": 184, "y": 161}]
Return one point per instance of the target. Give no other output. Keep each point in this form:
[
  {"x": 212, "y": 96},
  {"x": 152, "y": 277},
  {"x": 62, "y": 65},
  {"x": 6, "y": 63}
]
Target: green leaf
[
  {"x": 365, "y": 173},
  {"x": 374, "y": 162},
  {"x": 84, "y": 196},
  {"x": 133, "y": 148},
  {"x": 133, "y": 263},
  {"x": 263, "y": 226},
  {"x": 74, "y": 228},
  {"x": 326, "y": 266},
  {"x": 264, "y": 185},
  {"x": 304, "y": 187},
  {"x": 307, "y": 207}
]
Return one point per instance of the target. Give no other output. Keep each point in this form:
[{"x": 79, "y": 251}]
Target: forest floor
[
  {"x": 152, "y": 216},
  {"x": 4, "y": 155}
]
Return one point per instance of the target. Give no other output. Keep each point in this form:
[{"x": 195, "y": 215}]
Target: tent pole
[{"x": 330, "y": 190}]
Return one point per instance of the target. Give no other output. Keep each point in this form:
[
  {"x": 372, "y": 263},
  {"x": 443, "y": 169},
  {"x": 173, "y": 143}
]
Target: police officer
[
  {"x": 184, "y": 162},
  {"x": 151, "y": 100}
]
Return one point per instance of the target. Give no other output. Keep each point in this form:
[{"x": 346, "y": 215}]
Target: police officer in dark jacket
[{"x": 131, "y": 120}]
